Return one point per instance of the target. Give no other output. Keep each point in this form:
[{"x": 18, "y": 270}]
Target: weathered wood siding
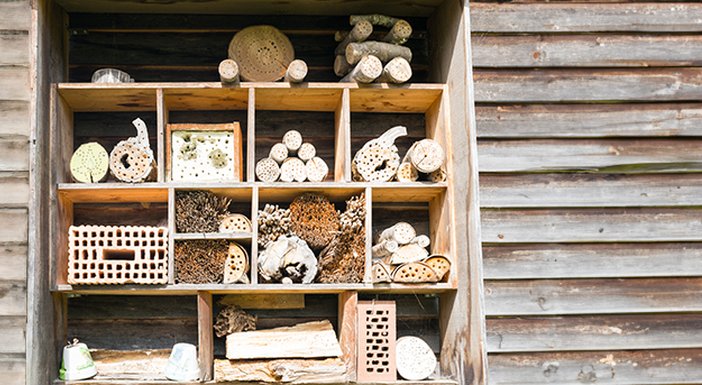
[
  {"x": 15, "y": 92},
  {"x": 589, "y": 127}
]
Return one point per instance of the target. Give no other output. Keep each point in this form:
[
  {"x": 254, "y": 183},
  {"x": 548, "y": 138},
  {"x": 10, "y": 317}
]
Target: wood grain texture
[
  {"x": 15, "y": 186},
  {"x": 14, "y": 118},
  {"x": 13, "y": 295},
  {"x": 13, "y": 262},
  {"x": 565, "y": 85},
  {"x": 587, "y": 50},
  {"x": 586, "y": 17},
  {"x": 616, "y": 260},
  {"x": 591, "y": 225},
  {"x": 589, "y": 190},
  {"x": 15, "y": 15},
  {"x": 13, "y": 226},
  {"x": 15, "y": 154},
  {"x": 607, "y": 156},
  {"x": 12, "y": 334},
  {"x": 14, "y": 46},
  {"x": 15, "y": 81},
  {"x": 13, "y": 367},
  {"x": 592, "y": 296},
  {"x": 610, "y": 332},
  {"x": 589, "y": 120},
  {"x": 682, "y": 366}
]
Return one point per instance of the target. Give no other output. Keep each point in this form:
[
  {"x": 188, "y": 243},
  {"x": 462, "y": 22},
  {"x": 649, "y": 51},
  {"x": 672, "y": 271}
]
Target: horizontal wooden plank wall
[
  {"x": 15, "y": 16},
  {"x": 590, "y": 150}
]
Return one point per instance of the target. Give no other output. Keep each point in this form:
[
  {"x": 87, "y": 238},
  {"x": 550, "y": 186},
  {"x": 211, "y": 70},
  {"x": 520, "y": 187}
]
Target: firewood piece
[
  {"x": 383, "y": 51},
  {"x": 307, "y": 340},
  {"x": 132, "y": 160},
  {"x": 415, "y": 359},
  {"x": 292, "y": 140},
  {"x": 293, "y": 169},
  {"x": 380, "y": 273},
  {"x": 267, "y": 170},
  {"x": 401, "y": 232},
  {"x": 294, "y": 371},
  {"x": 316, "y": 169},
  {"x": 236, "y": 266},
  {"x": 232, "y": 319},
  {"x": 378, "y": 159},
  {"x": 411, "y": 252},
  {"x": 279, "y": 152},
  {"x": 89, "y": 163},
  {"x": 375, "y": 19},
  {"x": 438, "y": 176},
  {"x": 360, "y": 32},
  {"x": 414, "y": 272},
  {"x": 306, "y": 151},
  {"x": 368, "y": 69},
  {"x": 384, "y": 248},
  {"x": 314, "y": 219},
  {"x": 228, "y": 71},
  {"x": 287, "y": 257},
  {"x": 341, "y": 66},
  {"x": 199, "y": 211},
  {"x": 398, "y": 70},
  {"x": 440, "y": 264},
  {"x": 426, "y": 156},
  {"x": 200, "y": 261},
  {"x": 273, "y": 222},
  {"x": 296, "y": 72},
  {"x": 235, "y": 223},
  {"x": 399, "y": 33},
  {"x": 407, "y": 173},
  {"x": 421, "y": 240}
]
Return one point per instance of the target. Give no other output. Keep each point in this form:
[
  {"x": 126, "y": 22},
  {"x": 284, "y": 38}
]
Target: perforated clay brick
[
  {"x": 113, "y": 255},
  {"x": 376, "y": 341}
]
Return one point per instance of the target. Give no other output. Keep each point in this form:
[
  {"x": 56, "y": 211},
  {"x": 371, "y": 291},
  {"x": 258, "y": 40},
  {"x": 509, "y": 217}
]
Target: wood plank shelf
[
  {"x": 196, "y": 236},
  {"x": 107, "y": 381}
]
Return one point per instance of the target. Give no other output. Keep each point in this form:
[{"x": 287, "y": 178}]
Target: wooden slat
[
  {"x": 592, "y": 260},
  {"x": 15, "y": 83},
  {"x": 589, "y": 120},
  {"x": 591, "y": 225},
  {"x": 610, "y": 367},
  {"x": 13, "y": 262},
  {"x": 13, "y": 226},
  {"x": 594, "y": 333},
  {"x": 14, "y": 117},
  {"x": 14, "y": 46},
  {"x": 13, "y": 298},
  {"x": 12, "y": 368},
  {"x": 586, "y": 17},
  {"x": 15, "y": 154},
  {"x": 12, "y": 334},
  {"x": 15, "y": 15},
  {"x": 15, "y": 188},
  {"x": 563, "y": 85},
  {"x": 592, "y": 296},
  {"x": 610, "y": 156},
  {"x": 589, "y": 190},
  {"x": 587, "y": 51}
]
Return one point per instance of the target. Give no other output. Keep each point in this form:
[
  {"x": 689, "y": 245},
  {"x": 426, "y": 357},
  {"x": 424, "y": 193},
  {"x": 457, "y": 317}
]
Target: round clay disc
[
  {"x": 262, "y": 52},
  {"x": 415, "y": 359}
]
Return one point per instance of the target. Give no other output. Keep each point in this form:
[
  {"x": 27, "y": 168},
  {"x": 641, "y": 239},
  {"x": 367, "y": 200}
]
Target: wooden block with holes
[
  {"x": 109, "y": 255},
  {"x": 376, "y": 341}
]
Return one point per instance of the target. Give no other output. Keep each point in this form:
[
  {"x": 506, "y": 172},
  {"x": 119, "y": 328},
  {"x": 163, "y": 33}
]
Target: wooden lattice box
[{"x": 111, "y": 255}]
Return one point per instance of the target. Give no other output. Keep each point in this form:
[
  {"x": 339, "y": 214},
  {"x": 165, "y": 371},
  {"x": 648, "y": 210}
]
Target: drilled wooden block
[
  {"x": 376, "y": 341},
  {"x": 112, "y": 255}
]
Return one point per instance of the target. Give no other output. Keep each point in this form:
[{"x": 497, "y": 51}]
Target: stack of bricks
[{"x": 114, "y": 255}]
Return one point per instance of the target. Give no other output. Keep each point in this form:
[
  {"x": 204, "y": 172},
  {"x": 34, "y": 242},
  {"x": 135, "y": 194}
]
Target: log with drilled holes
[
  {"x": 341, "y": 66},
  {"x": 89, "y": 163},
  {"x": 306, "y": 151},
  {"x": 399, "y": 33},
  {"x": 426, "y": 156},
  {"x": 234, "y": 223},
  {"x": 132, "y": 160},
  {"x": 414, "y": 272},
  {"x": 296, "y": 72},
  {"x": 410, "y": 252},
  {"x": 407, "y": 173},
  {"x": 383, "y": 51},
  {"x": 401, "y": 232},
  {"x": 397, "y": 70},
  {"x": 421, "y": 240},
  {"x": 316, "y": 169},
  {"x": 228, "y": 71},
  {"x": 437, "y": 176},
  {"x": 293, "y": 169},
  {"x": 385, "y": 248},
  {"x": 380, "y": 273},
  {"x": 291, "y": 371},
  {"x": 440, "y": 264},
  {"x": 360, "y": 32},
  {"x": 292, "y": 140},
  {"x": 279, "y": 152},
  {"x": 267, "y": 170},
  {"x": 236, "y": 266},
  {"x": 415, "y": 359},
  {"x": 378, "y": 159},
  {"x": 368, "y": 69}
]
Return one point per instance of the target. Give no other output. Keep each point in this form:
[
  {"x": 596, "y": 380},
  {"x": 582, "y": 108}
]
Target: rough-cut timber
[{"x": 293, "y": 371}]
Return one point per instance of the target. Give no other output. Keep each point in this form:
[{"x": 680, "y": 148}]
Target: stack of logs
[
  {"x": 400, "y": 255},
  {"x": 383, "y": 59},
  {"x": 292, "y": 160}
]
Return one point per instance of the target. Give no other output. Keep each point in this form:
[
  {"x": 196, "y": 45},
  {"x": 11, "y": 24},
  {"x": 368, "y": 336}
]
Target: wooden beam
[
  {"x": 348, "y": 301},
  {"x": 265, "y": 301},
  {"x": 205, "y": 335}
]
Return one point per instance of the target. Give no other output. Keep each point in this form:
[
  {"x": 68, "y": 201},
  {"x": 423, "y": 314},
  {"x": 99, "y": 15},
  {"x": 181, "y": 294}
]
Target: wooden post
[
  {"x": 161, "y": 123},
  {"x": 296, "y": 72},
  {"x": 348, "y": 300},
  {"x": 228, "y": 72},
  {"x": 205, "y": 349}
]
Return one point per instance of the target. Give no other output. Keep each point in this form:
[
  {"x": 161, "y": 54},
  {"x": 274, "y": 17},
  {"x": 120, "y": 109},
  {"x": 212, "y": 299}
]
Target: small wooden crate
[{"x": 376, "y": 341}]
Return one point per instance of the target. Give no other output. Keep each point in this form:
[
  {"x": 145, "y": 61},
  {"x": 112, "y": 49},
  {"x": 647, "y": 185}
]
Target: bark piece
[
  {"x": 287, "y": 257},
  {"x": 316, "y": 169},
  {"x": 235, "y": 223},
  {"x": 368, "y": 69},
  {"x": 399, "y": 33},
  {"x": 89, "y": 163},
  {"x": 296, "y": 72},
  {"x": 440, "y": 264},
  {"x": 401, "y": 232},
  {"x": 306, "y": 151},
  {"x": 132, "y": 160},
  {"x": 279, "y": 152},
  {"x": 360, "y": 32},
  {"x": 397, "y": 70},
  {"x": 383, "y": 51},
  {"x": 308, "y": 340},
  {"x": 293, "y": 169},
  {"x": 415, "y": 359},
  {"x": 408, "y": 253},
  {"x": 199, "y": 211},
  {"x": 414, "y": 272},
  {"x": 295, "y": 371},
  {"x": 381, "y": 273},
  {"x": 341, "y": 66},
  {"x": 375, "y": 19},
  {"x": 267, "y": 170},
  {"x": 314, "y": 219},
  {"x": 228, "y": 71},
  {"x": 292, "y": 140},
  {"x": 407, "y": 173},
  {"x": 426, "y": 156},
  {"x": 236, "y": 266},
  {"x": 378, "y": 159},
  {"x": 232, "y": 319}
]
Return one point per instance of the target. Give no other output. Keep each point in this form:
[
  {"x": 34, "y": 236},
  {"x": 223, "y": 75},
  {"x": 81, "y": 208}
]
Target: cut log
[
  {"x": 368, "y": 69},
  {"x": 415, "y": 359},
  {"x": 267, "y": 170},
  {"x": 236, "y": 266},
  {"x": 328, "y": 371},
  {"x": 426, "y": 156},
  {"x": 440, "y": 264},
  {"x": 438, "y": 175},
  {"x": 279, "y": 152},
  {"x": 407, "y": 173},
  {"x": 292, "y": 140},
  {"x": 296, "y": 72},
  {"x": 408, "y": 253},
  {"x": 383, "y": 51},
  {"x": 375, "y": 19},
  {"x": 378, "y": 160},
  {"x": 132, "y": 160},
  {"x": 293, "y": 169},
  {"x": 228, "y": 71},
  {"x": 401, "y": 232},
  {"x": 399, "y": 33},
  {"x": 306, "y": 152},
  {"x": 360, "y": 32},
  {"x": 308, "y": 340},
  {"x": 235, "y": 223},
  {"x": 341, "y": 66},
  {"x": 316, "y": 169},
  {"x": 380, "y": 273},
  {"x": 89, "y": 163},
  {"x": 421, "y": 240},
  {"x": 384, "y": 248},
  {"x": 287, "y": 257},
  {"x": 414, "y": 272},
  {"x": 398, "y": 70}
]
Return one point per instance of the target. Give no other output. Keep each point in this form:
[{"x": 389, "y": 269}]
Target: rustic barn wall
[
  {"x": 15, "y": 94},
  {"x": 589, "y": 126}
]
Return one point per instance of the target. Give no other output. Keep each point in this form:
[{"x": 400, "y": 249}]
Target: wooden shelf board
[
  {"x": 388, "y": 98},
  {"x": 113, "y": 192},
  {"x": 286, "y": 192},
  {"x": 196, "y": 236},
  {"x": 407, "y": 192},
  {"x": 114, "y": 381}
]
